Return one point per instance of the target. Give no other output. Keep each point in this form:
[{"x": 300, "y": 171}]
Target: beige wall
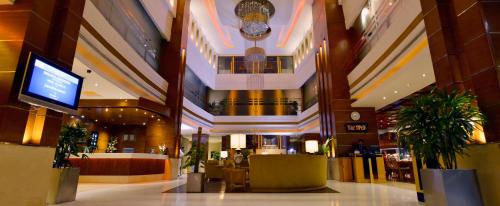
[
  {"x": 24, "y": 174},
  {"x": 214, "y": 144},
  {"x": 486, "y": 160}
]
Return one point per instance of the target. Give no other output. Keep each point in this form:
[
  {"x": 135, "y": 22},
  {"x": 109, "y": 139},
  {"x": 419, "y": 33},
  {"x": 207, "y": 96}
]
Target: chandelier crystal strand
[{"x": 254, "y": 16}]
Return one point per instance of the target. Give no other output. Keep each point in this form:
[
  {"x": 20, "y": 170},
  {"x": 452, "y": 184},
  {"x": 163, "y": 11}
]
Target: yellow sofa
[{"x": 287, "y": 173}]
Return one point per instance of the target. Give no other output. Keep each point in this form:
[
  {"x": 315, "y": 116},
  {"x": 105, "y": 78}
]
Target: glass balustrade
[
  {"x": 135, "y": 26},
  {"x": 236, "y": 65}
]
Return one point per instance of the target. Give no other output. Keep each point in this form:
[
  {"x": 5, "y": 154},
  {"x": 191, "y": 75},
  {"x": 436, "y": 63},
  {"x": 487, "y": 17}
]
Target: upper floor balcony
[
  {"x": 236, "y": 65},
  {"x": 133, "y": 23}
]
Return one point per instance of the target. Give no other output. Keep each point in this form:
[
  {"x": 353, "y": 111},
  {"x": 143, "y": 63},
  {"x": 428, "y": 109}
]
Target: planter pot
[
  {"x": 330, "y": 167},
  {"x": 195, "y": 182},
  {"x": 451, "y": 187},
  {"x": 63, "y": 185}
]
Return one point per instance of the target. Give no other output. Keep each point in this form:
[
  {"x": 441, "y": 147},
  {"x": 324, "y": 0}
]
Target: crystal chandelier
[
  {"x": 254, "y": 16},
  {"x": 255, "y": 60}
]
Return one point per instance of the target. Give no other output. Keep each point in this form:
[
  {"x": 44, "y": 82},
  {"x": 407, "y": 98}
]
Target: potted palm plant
[
  {"x": 65, "y": 177},
  {"x": 438, "y": 127},
  {"x": 195, "y": 179}
]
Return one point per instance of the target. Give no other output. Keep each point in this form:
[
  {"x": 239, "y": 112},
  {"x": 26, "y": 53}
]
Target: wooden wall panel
[
  {"x": 335, "y": 59},
  {"x": 119, "y": 167},
  {"x": 461, "y": 37},
  {"x": 161, "y": 133},
  {"x": 38, "y": 26},
  {"x": 172, "y": 69}
]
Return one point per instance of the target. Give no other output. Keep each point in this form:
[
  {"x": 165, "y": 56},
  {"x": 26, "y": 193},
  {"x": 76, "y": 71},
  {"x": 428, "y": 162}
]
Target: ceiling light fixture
[
  {"x": 254, "y": 16},
  {"x": 255, "y": 59}
]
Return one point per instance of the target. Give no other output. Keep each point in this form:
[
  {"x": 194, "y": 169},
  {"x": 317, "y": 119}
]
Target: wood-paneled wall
[
  {"x": 48, "y": 27},
  {"x": 172, "y": 68},
  {"x": 117, "y": 166},
  {"x": 464, "y": 42},
  {"x": 334, "y": 61}
]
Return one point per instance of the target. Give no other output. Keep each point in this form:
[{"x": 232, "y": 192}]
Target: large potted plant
[
  {"x": 195, "y": 179},
  {"x": 438, "y": 127},
  {"x": 65, "y": 177},
  {"x": 325, "y": 149}
]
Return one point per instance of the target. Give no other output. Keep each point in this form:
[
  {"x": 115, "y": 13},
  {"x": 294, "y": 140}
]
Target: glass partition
[
  {"x": 236, "y": 65},
  {"x": 133, "y": 23}
]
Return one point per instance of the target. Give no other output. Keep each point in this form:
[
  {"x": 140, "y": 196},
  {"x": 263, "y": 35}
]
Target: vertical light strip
[
  {"x": 34, "y": 127},
  {"x": 279, "y": 108},
  {"x": 232, "y": 65}
]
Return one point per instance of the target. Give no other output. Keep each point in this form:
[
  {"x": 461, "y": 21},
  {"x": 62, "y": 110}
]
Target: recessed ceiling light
[
  {"x": 83, "y": 116},
  {"x": 96, "y": 120},
  {"x": 72, "y": 116},
  {"x": 384, "y": 98},
  {"x": 152, "y": 116},
  {"x": 145, "y": 113},
  {"x": 96, "y": 85},
  {"x": 395, "y": 91},
  {"x": 121, "y": 110},
  {"x": 423, "y": 75},
  {"x": 408, "y": 85},
  {"x": 158, "y": 119},
  {"x": 106, "y": 110},
  {"x": 144, "y": 123},
  {"x": 136, "y": 110}
]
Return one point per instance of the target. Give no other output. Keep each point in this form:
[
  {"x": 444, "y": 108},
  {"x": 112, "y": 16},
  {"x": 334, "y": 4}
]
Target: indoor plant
[
  {"x": 111, "y": 147},
  {"x": 215, "y": 155},
  {"x": 65, "y": 177},
  {"x": 438, "y": 127},
  {"x": 195, "y": 179}
]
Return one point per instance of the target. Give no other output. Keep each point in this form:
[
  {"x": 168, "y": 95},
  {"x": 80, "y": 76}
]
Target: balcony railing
[
  {"x": 236, "y": 65},
  {"x": 132, "y": 22},
  {"x": 376, "y": 28},
  {"x": 254, "y": 107}
]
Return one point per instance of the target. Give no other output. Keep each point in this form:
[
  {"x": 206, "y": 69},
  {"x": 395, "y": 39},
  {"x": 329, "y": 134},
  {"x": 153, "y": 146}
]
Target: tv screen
[{"x": 49, "y": 85}]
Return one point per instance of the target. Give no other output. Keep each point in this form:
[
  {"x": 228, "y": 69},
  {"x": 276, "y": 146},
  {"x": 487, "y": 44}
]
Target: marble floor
[{"x": 149, "y": 194}]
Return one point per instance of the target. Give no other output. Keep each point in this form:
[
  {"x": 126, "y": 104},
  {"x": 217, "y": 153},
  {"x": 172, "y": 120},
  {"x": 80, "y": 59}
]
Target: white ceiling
[
  {"x": 280, "y": 24},
  {"x": 97, "y": 87}
]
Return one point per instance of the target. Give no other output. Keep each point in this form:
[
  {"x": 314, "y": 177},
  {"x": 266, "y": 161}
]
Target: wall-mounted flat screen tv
[{"x": 50, "y": 85}]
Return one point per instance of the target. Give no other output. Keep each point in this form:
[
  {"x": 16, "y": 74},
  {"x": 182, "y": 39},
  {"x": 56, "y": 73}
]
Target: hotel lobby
[{"x": 250, "y": 102}]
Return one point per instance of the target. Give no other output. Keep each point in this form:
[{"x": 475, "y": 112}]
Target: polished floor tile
[{"x": 149, "y": 194}]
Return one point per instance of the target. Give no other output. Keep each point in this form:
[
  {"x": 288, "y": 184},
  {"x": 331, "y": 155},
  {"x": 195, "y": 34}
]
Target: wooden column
[
  {"x": 334, "y": 61},
  {"x": 464, "y": 42},
  {"x": 50, "y": 29},
  {"x": 172, "y": 68}
]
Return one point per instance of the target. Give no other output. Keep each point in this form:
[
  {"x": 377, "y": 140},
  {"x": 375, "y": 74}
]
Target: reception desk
[
  {"x": 125, "y": 167},
  {"x": 364, "y": 174},
  {"x": 287, "y": 173}
]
